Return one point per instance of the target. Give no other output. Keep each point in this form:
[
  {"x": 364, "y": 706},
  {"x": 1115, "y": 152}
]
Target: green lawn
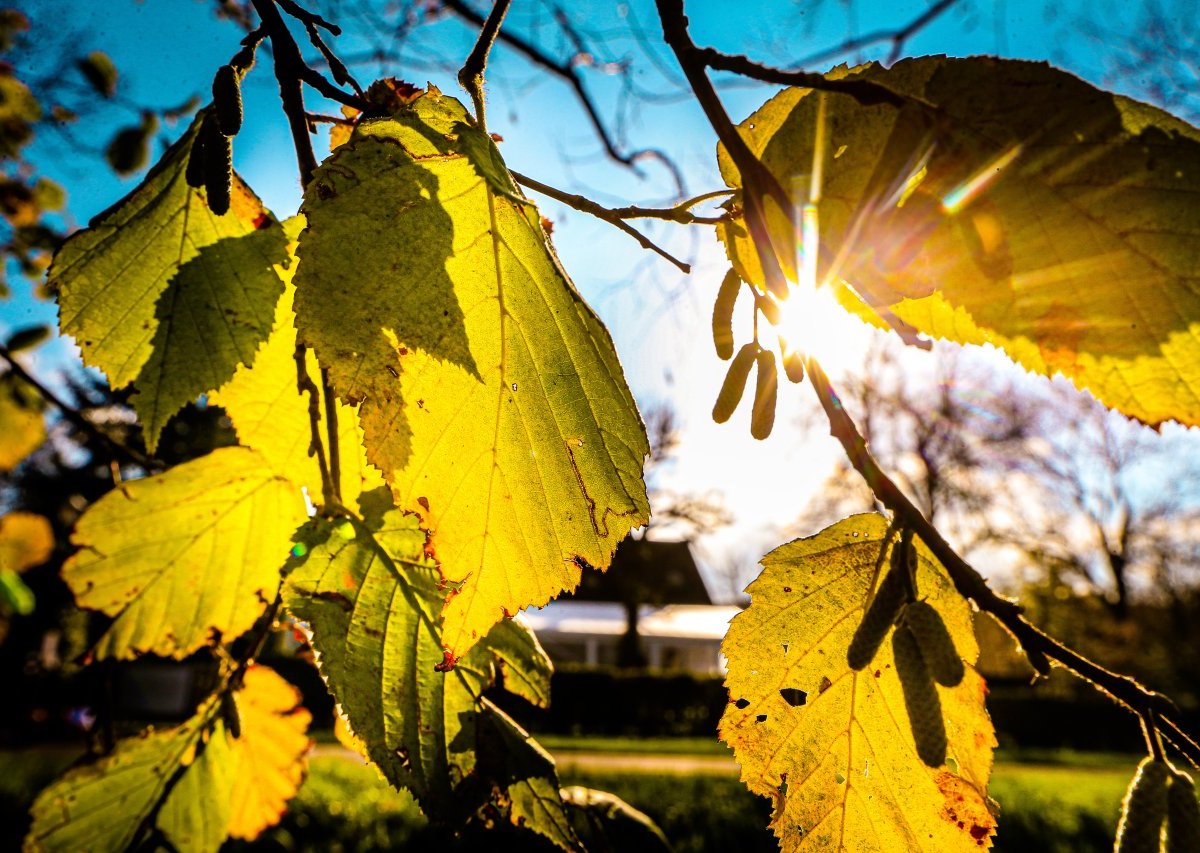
[{"x": 1052, "y": 802}]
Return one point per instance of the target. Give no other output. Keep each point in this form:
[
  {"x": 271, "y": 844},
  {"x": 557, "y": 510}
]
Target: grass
[{"x": 1051, "y": 802}]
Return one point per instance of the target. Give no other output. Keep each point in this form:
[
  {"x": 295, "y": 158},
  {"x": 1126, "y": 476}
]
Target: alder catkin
[
  {"x": 920, "y": 698},
  {"x": 722, "y": 318},
  {"x": 227, "y": 100},
  {"x": 1183, "y": 815},
  {"x": 1144, "y": 809},
  {"x": 218, "y": 168},
  {"x": 935, "y": 642},
  {"x": 877, "y": 621},
  {"x": 793, "y": 366},
  {"x": 194, "y": 173},
  {"x": 735, "y": 383},
  {"x": 762, "y": 421}
]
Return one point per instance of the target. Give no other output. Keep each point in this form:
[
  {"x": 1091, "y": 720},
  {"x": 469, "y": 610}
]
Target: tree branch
[
  {"x": 1038, "y": 646},
  {"x": 757, "y": 181},
  {"x": 898, "y": 37}
]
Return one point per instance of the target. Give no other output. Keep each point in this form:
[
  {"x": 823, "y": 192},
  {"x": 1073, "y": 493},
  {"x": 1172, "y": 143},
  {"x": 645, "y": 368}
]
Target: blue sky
[{"x": 168, "y": 50}]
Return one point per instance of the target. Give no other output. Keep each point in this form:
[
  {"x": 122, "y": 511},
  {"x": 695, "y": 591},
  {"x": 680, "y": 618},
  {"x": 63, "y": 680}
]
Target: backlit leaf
[
  {"x": 271, "y": 416},
  {"x": 185, "y": 555},
  {"x": 22, "y": 428},
  {"x": 1016, "y": 206},
  {"x": 196, "y": 784},
  {"x": 268, "y": 757},
  {"x": 492, "y": 398},
  {"x": 26, "y": 540},
  {"x": 830, "y": 745},
  {"x": 371, "y": 597},
  {"x": 161, "y": 294}
]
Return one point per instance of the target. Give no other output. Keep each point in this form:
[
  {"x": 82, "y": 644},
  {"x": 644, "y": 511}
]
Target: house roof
[{"x": 646, "y": 572}]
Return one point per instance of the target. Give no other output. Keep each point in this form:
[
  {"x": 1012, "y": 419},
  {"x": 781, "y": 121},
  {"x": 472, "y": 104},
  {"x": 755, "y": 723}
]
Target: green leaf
[
  {"x": 194, "y": 784},
  {"x": 271, "y": 416},
  {"x": 492, "y": 398},
  {"x": 102, "y": 806},
  {"x": 833, "y": 746},
  {"x": 371, "y": 596},
  {"x": 161, "y": 294},
  {"x": 1009, "y": 203},
  {"x": 186, "y": 556}
]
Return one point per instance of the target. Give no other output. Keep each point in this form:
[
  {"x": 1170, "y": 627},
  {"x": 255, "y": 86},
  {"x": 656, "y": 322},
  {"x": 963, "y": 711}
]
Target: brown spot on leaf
[
  {"x": 448, "y": 661},
  {"x": 424, "y": 502}
]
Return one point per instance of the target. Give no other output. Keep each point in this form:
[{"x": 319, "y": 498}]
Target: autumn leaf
[
  {"x": 271, "y": 416},
  {"x": 370, "y": 597},
  {"x": 185, "y": 555},
  {"x": 1008, "y": 203},
  {"x": 163, "y": 295},
  {"x": 269, "y": 753},
  {"x": 833, "y": 746},
  {"x": 491, "y": 395},
  {"x": 22, "y": 429}
]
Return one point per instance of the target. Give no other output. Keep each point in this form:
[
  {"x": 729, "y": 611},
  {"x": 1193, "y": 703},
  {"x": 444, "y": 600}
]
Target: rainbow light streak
[{"x": 973, "y": 187}]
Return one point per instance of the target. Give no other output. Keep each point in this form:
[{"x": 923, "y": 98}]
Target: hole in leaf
[
  {"x": 793, "y": 696},
  {"x": 742, "y": 704},
  {"x": 761, "y": 718}
]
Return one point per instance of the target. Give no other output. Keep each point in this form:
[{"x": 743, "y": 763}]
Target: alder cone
[
  {"x": 920, "y": 697},
  {"x": 722, "y": 318},
  {"x": 735, "y": 383},
  {"x": 227, "y": 100},
  {"x": 877, "y": 621},
  {"x": 218, "y": 168},
  {"x": 1183, "y": 815},
  {"x": 937, "y": 646},
  {"x": 1144, "y": 809},
  {"x": 762, "y": 421}
]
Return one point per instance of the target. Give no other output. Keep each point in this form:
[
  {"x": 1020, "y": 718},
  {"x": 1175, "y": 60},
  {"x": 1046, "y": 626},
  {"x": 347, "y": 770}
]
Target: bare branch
[
  {"x": 612, "y": 217},
  {"x": 470, "y": 76}
]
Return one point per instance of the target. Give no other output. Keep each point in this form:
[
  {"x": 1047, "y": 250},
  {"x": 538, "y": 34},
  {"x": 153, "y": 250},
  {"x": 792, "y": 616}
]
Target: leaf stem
[
  {"x": 470, "y": 76},
  {"x": 1038, "y": 646}
]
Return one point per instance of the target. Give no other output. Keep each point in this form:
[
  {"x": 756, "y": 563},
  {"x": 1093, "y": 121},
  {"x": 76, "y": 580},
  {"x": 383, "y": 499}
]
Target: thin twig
[
  {"x": 680, "y": 213},
  {"x": 970, "y": 584},
  {"x": 115, "y": 448},
  {"x": 898, "y": 37},
  {"x": 612, "y": 217},
  {"x": 470, "y": 76},
  {"x": 866, "y": 92}
]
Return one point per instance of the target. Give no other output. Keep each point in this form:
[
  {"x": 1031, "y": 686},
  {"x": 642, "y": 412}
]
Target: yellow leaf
[
  {"x": 270, "y": 753},
  {"x": 270, "y": 414},
  {"x": 22, "y": 429},
  {"x": 185, "y": 555},
  {"x": 830, "y": 745},
  {"x": 26, "y": 540},
  {"x": 1008, "y": 203},
  {"x": 492, "y": 398}
]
